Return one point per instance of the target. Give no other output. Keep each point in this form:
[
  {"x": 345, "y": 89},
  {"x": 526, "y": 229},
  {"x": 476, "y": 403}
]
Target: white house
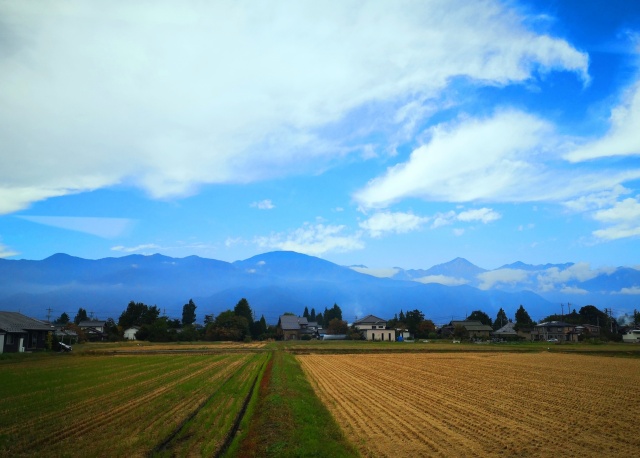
[
  {"x": 130, "y": 333},
  {"x": 374, "y": 328}
]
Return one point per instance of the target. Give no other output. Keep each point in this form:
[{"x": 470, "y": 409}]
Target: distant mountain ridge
[{"x": 279, "y": 282}]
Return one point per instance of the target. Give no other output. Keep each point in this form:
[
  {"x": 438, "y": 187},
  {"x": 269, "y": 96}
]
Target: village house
[
  {"x": 374, "y": 328},
  {"x": 474, "y": 329},
  {"x": 554, "y": 331},
  {"x": 509, "y": 332},
  {"x": 93, "y": 329},
  {"x": 291, "y": 327},
  {"x": 19, "y": 333}
]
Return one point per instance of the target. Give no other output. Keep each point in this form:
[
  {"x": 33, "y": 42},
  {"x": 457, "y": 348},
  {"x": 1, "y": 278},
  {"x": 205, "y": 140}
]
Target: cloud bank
[{"x": 169, "y": 97}]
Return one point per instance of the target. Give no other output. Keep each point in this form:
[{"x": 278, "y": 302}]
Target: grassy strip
[{"x": 289, "y": 419}]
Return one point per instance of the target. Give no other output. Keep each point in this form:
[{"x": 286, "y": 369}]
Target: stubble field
[{"x": 470, "y": 404}]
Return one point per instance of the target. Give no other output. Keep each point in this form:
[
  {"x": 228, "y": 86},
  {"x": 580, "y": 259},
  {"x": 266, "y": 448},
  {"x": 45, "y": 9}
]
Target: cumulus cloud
[
  {"x": 623, "y": 218},
  {"x": 555, "y": 278},
  {"x": 501, "y": 158},
  {"x": 442, "y": 279},
  {"x": 634, "y": 290},
  {"x": 398, "y": 223},
  {"x": 168, "y": 97},
  {"x": 623, "y": 137},
  {"x": 573, "y": 290},
  {"x": 494, "y": 278},
  {"x": 102, "y": 227},
  {"x": 313, "y": 239},
  {"x": 263, "y": 205}
]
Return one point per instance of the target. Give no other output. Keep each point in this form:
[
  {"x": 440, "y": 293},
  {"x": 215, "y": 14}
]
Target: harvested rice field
[{"x": 471, "y": 404}]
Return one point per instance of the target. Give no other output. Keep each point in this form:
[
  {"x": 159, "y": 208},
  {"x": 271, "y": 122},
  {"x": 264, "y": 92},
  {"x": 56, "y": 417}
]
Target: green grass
[{"x": 289, "y": 419}]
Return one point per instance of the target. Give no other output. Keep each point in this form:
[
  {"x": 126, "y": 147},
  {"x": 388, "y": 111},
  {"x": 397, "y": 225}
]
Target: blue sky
[{"x": 377, "y": 133}]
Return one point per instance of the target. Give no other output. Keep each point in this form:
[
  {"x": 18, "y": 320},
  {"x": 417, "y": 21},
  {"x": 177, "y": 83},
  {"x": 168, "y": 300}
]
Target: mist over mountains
[{"x": 279, "y": 282}]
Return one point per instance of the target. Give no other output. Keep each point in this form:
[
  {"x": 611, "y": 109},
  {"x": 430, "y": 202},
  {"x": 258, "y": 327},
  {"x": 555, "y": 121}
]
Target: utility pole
[
  {"x": 562, "y": 308},
  {"x": 49, "y": 310}
]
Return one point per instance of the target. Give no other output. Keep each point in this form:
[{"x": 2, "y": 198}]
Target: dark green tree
[
  {"x": 228, "y": 326},
  {"x": 401, "y": 317},
  {"x": 208, "y": 319},
  {"x": 80, "y": 316},
  {"x": 523, "y": 320},
  {"x": 413, "y": 319},
  {"x": 189, "y": 313},
  {"x": 138, "y": 314},
  {"x": 243, "y": 309},
  {"x": 312, "y": 315},
  {"x": 333, "y": 312},
  {"x": 306, "y": 313},
  {"x": 479, "y": 315},
  {"x": 501, "y": 319},
  {"x": 62, "y": 319},
  {"x": 337, "y": 326},
  {"x": 320, "y": 319}
]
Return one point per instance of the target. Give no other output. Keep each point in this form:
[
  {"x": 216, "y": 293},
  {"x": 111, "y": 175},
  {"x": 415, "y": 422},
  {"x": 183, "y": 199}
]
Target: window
[{"x": 10, "y": 339}]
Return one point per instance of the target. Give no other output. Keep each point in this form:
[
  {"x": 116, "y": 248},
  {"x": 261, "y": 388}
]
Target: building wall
[
  {"x": 385, "y": 335},
  {"x": 290, "y": 334}
]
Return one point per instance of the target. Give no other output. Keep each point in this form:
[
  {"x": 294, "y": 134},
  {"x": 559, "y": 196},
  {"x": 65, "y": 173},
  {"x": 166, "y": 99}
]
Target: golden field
[{"x": 477, "y": 404}]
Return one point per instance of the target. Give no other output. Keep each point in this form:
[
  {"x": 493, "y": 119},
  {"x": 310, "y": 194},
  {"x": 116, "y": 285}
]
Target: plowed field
[{"x": 482, "y": 404}]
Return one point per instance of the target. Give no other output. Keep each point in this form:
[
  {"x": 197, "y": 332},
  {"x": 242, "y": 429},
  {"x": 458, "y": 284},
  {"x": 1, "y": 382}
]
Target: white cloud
[
  {"x": 442, "y": 279},
  {"x": 573, "y": 290},
  {"x": 493, "y": 278},
  {"x": 134, "y": 249},
  {"x": 502, "y": 158},
  {"x": 263, "y": 205},
  {"x": 597, "y": 200},
  {"x": 380, "y": 273},
  {"x": 623, "y": 137},
  {"x": 313, "y": 239},
  {"x": 554, "y": 278},
  {"x": 485, "y": 215},
  {"x": 6, "y": 252},
  {"x": 634, "y": 290},
  {"x": 168, "y": 96},
  {"x": 624, "y": 218},
  {"x": 102, "y": 227},
  {"x": 397, "y": 223}
]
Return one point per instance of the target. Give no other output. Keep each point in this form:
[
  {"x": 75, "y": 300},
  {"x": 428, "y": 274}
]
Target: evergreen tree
[
  {"x": 243, "y": 309},
  {"x": 189, "y": 313},
  {"x": 320, "y": 319},
  {"x": 501, "y": 319},
  {"x": 312, "y": 315},
  {"x": 80, "y": 316},
  {"x": 401, "y": 317},
  {"x": 305, "y": 314},
  {"x": 62, "y": 319},
  {"x": 523, "y": 320},
  {"x": 479, "y": 315}
]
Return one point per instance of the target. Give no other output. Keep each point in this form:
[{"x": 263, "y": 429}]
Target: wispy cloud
[
  {"x": 495, "y": 278},
  {"x": 102, "y": 227},
  {"x": 492, "y": 159},
  {"x": 392, "y": 222},
  {"x": 623, "y": 218},
  {"x": 220, "y": 58},
  {"x": 263, "y": 205},
  {"x": 442, "y": 279},
  {"x": 135, "y": 249},
  {"x": 313, "y": 239},
  {"x": 6, "y": 252}
]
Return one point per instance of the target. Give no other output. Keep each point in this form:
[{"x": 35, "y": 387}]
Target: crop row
[
  {"x": 117, "y": 406},
  {"x": 481, "y": 404}
]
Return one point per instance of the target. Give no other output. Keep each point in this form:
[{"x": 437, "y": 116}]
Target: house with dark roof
[
  {"x": 555, "y": 331},
  {"x": 475, "y": 329},
  {"x": 94, "y": 329},
  {"x": 19, "y": 333},
  {"x": 373, "y": 328},
  {"x": 291, "y": 327}
]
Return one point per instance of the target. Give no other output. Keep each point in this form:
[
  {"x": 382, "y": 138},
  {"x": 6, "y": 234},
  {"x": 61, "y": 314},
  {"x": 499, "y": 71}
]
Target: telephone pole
[{"x": 49, "y": 310}]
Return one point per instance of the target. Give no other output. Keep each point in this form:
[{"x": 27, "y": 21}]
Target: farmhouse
[
  {"x": 475, "y": 329},
  {"x": 563, "y": 332},
  {"x": 373, "y": 328},
  {"x": 509, "y": 332},
  {"x": 291, "y": 327},
  {"x": 19, "y": 333},
  {"x": 93, "y": 329}
]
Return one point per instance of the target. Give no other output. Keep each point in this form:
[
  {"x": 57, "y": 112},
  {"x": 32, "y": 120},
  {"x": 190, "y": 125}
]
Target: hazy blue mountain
[{"x": 273, "y": 283}]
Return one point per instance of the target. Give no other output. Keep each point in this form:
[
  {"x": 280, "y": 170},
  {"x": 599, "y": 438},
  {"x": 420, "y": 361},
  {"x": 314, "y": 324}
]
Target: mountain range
[{"x": 279, "y": 282}]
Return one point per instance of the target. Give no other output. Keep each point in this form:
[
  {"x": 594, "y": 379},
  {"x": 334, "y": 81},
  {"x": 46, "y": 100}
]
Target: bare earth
[{"x": 471, "y": 404}]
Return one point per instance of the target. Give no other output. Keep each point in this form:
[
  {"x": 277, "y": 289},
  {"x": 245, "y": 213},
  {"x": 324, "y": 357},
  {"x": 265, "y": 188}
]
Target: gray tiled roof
[
  {"x": 370, "y": 319},
  {"x": 17, "y": 322},
  {"x": 291, "y": 322}
]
